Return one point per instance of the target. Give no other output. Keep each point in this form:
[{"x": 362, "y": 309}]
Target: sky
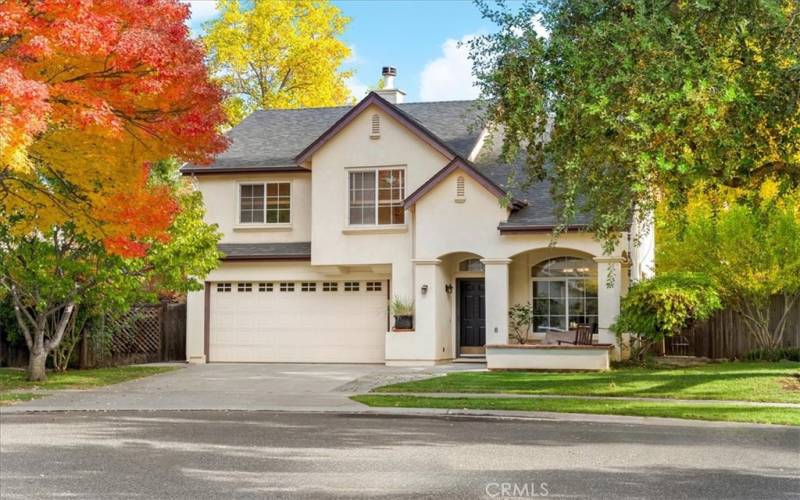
[{"x": 419, "y": 38}]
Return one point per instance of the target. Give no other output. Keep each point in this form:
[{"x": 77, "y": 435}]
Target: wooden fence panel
[
  {"x": 146, "y": 334},
  {"x": 725, "y": 335}
]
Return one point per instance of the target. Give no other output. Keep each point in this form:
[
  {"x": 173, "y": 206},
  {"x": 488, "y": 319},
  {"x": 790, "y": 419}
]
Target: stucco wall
[
  {"x": 353, "y": 148},
  {"x": 220, "y": 198}
]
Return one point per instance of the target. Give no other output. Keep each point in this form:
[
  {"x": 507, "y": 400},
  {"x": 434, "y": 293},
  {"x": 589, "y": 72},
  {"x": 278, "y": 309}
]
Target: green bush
[
  {"x": 775, "y": 354},
  {"x": 663, "y": 306}
]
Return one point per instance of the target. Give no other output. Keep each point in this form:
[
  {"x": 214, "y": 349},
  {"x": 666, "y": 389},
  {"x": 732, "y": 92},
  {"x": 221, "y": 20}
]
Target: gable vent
[
  {"x": 460, "y": 189},
  {"x": 376, "y": 127}
]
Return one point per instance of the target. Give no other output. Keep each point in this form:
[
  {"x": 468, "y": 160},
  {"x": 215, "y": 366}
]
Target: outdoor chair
[{"x": 583, "y": 336}]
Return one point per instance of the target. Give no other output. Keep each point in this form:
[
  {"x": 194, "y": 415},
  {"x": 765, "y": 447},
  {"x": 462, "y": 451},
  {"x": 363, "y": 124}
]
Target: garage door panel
[{"x": 333, "y": 327}]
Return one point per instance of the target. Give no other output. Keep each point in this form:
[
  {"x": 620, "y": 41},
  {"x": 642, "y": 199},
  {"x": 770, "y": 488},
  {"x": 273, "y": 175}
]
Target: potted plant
[{"x": 403, "y": 311}]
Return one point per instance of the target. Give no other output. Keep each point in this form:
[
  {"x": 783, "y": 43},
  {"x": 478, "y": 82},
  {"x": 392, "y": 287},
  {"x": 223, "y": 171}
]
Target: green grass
[
  {"x": 743, "y": 381},
  {"x": 7, "y": 398},
  {"x": 13, "y": 381},
  {"x": 698, "y": 411}
]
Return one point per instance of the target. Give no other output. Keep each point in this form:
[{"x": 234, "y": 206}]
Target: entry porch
[{"x": 462, "y": 300}]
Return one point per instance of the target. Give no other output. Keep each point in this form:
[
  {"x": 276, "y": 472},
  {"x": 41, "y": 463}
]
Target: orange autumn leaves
[{"x": 91, "y": 91}]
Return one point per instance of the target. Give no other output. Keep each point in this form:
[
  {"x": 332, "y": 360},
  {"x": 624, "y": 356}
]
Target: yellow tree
[{"x": 278, "y": 55}]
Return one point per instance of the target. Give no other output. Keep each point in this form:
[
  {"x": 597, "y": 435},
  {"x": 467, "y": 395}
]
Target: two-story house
[{"x": 328, "y": 213}]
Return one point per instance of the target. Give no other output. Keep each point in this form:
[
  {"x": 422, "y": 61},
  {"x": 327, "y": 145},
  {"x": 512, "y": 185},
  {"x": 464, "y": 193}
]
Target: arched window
[
  {"x": 471, "y": 265},
  {"x": 564, "y": 294}
]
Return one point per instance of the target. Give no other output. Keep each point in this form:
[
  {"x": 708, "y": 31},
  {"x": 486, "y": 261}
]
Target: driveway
[
  {"x": 286, "y": 387},
  {"x": 219, "y": 454}
]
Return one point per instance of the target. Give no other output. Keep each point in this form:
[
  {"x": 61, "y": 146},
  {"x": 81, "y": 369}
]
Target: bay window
[{"x": 376, "y": 197}]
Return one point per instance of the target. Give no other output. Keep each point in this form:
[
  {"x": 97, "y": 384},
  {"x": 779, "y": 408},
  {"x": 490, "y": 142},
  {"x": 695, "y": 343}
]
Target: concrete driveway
[{"x": 287, "y": 387}]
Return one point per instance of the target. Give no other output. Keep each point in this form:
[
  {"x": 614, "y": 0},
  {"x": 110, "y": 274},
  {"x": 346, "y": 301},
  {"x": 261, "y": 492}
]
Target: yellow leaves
[
  {"x": 279, "y": 55},
  {"x": 769, "y": 190}
]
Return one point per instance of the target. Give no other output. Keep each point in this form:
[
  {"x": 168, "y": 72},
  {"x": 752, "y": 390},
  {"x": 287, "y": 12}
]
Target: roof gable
[
  {"x": 390, "y": 109},
  {"x": 457, "y": 163}
]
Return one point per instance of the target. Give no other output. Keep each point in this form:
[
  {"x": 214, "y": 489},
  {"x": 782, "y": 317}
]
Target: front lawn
[
  {"x": 743, "y": 381},
  {"x": 695, "y": 411},
  {"x": 15, "y": 387}
]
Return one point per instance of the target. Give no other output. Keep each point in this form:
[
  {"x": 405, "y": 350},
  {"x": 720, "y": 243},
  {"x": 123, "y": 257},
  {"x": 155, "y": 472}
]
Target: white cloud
[
  {"x": 202, "y": 10},
  {"x": 536, "y": 24},
  {"x": 358, "y": 88},
  {"x": 449, "y": 77}
]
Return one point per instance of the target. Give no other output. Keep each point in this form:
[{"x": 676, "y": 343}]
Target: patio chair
[{"x": 583, "y": 336}]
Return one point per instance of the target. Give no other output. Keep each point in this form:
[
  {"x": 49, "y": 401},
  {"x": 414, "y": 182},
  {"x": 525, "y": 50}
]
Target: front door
[{"x": 472, "y": 315}]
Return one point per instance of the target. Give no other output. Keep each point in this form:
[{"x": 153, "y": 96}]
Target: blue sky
[{"x": 419, "y": 38}]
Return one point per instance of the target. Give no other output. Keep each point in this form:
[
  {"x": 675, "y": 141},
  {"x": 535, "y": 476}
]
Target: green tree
[
  {"x": 635, "y": 101},
  {"x": 751, "y": 251},
  {"x": 278, "y": 55},
  {"x": 50, "y": 274}
]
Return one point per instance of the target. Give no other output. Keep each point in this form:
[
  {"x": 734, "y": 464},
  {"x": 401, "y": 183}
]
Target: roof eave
[
  {"x": 297, "y": 257},
  {"x": 242, "y": 170},
  {"x": 538, "y": 228}
]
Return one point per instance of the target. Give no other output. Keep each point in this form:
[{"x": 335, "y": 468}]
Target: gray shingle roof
[
  {"x": 245, "y": 251},
  {"x": 273, "y": 138},
  {"x": 540, "y": 208}
]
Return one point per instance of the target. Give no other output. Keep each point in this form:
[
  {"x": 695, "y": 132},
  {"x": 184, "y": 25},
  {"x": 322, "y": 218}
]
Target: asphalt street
[{"x": 239, "y": 454}]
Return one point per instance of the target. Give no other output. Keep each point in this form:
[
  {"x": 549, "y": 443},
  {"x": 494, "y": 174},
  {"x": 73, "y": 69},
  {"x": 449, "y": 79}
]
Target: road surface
[{"x": 236, "y": 454}]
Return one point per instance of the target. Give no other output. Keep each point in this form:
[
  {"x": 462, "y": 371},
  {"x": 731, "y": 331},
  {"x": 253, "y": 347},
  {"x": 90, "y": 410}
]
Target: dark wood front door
[{"x": 472, "y": 315}]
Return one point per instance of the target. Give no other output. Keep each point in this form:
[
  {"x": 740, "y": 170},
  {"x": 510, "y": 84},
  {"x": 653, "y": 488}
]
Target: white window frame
[
  {"x": 348, "y": 171},
  {"x": 565, "y": 280},
  {"x": 238, "y": 215}
]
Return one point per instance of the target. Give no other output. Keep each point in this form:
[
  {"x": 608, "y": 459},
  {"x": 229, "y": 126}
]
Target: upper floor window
[
  {"x": 265, "y": 203},
  {"x": 376, "y": 196}
]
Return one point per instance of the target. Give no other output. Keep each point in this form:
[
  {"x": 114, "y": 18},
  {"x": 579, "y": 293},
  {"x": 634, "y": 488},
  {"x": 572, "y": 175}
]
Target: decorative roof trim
[
  {"x": 241, "y": 170},
  {"x": 455, "y": 164},
  {"x": 372, "y": 98}
]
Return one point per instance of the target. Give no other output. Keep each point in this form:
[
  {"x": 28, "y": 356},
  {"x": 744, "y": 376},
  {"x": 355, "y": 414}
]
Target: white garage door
[{"x": 304, "y": 322}]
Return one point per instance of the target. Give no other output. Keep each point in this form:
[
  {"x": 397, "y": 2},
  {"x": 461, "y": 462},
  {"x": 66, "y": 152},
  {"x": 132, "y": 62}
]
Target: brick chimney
[{"x": 389, "y": 92}]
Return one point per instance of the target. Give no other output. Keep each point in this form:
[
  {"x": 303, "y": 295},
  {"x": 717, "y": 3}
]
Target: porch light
[
  {"x": 448, "y": 288},
  {"x": 424, "y": 289}
]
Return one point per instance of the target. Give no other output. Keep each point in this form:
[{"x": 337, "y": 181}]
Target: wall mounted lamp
[
  {"x": 424, "y": 289},
  {"x": 448, "y": 288}
]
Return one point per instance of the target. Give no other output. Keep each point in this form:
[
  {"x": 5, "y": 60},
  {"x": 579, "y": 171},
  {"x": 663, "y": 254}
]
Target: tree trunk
[{"x": 36, "y": 366}]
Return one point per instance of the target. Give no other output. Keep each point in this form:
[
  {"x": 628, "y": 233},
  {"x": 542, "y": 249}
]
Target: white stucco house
[{"x": 327, "y": 213}]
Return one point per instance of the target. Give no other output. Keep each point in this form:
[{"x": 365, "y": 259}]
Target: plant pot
[{"x": 403, "y": 322}]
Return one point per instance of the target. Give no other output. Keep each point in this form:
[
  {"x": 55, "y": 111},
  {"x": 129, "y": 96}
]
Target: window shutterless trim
[
  {"x": 264, "y": 222},
  {"x": 400, "y": 203}
]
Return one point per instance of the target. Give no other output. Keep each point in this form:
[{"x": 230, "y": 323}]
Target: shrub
[
  {"x": 774, "y": 354},
  {"x": 520, "y": 318},
  {"x": 663, "y": 306}
]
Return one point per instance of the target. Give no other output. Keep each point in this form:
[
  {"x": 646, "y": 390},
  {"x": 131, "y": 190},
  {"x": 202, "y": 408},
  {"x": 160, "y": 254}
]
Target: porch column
[
  {"x": 609, "y": 291},
  {"x": 426, "y": 291},
  {"x": 496, "y": 280}
]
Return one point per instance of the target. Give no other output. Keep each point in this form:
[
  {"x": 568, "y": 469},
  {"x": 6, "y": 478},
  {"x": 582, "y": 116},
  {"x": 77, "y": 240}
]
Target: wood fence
[
  {"x": 725, "y": 335},
  {"x": 145, "y": 334}
]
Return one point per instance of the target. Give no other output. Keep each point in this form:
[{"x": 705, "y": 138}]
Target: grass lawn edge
[{"x": 712, "y": 412}]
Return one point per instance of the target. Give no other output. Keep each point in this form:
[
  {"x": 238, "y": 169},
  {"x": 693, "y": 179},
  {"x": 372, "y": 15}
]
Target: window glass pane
[
  {"x": 251, "y": 203},
  {"x": 591, "y": 306},
  {"x": 541, "y": 307},
  {"x": 565, "y": 267},
  {"x": 391, "y": 190},
  {"x": 540, "y": 289},
  {"x": 541, "y": 323},
  {"x": 362, "y": 197},
  {"x": 473, "y": 265}
]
